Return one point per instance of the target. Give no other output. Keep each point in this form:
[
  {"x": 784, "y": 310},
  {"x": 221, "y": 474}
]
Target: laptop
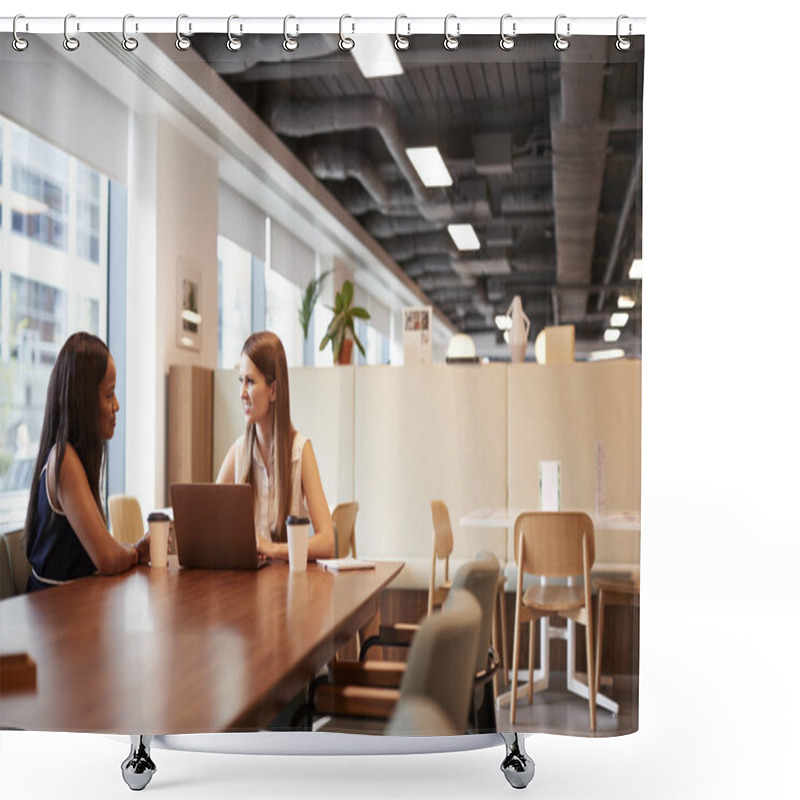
[{"x": 214, "y": 526}]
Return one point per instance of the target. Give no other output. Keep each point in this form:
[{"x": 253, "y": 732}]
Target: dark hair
[
  {"x": 72, "y": 413},
  {"x": 266, "y": 352}
]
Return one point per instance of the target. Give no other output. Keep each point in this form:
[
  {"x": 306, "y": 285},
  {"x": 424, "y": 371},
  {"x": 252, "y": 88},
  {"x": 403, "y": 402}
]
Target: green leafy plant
[
  {"x": 310, "y": 297},
  {"x": 344, "y": 316}
]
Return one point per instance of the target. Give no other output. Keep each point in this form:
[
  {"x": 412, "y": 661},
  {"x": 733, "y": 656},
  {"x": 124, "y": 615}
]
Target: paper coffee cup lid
[
  {"x": 292, "y": 520},
  {"x": 157, "y": 516}
]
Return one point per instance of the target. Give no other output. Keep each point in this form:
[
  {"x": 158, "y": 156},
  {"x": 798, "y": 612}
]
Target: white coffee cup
[
  {"x": 158, "y": 524},
  {"x": 297, "y": 532}
]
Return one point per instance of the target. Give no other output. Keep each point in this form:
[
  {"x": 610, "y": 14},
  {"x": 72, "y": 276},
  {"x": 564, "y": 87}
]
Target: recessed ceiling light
[
  {"x": 430, "y": 166},
  {"x": 464, "y": 236},
  {"x": 611, "y": 334},
  {"x": 635, "y": 272},
  {"x": 606, "y": 355},
  {"x": 376, "y": 56},
  {"x": 619, "y": 319},
  {"x": 625, "y": 301}
]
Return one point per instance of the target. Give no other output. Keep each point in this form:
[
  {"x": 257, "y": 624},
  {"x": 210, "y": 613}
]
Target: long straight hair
[
  {"x": 72, "y": 414},
  {"x": 266, "y": 352}
]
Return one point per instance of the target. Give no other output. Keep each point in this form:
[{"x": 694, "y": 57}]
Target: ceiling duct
[
  {"x": 260, "y": 47},
  {"x": 525, "y": 201},
  {"x": 309, "y": 118},
  {"x": 476, "y": 267},
  {"x": 402, "y": 248},
  {"x": 383, "y": 227},
  {"x": 580, "y": 138},
  {"x": 492, "y": 153},
  {"x": 428, "y": 265}
]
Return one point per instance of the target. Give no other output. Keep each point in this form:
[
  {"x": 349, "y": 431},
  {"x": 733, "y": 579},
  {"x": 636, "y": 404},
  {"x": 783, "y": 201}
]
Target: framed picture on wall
[{"x": 189, "y": 301}]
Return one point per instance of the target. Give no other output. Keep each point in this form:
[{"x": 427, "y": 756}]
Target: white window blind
[
  {"x": 290, "y": 257},
  {"x": 242, "y": 222}
]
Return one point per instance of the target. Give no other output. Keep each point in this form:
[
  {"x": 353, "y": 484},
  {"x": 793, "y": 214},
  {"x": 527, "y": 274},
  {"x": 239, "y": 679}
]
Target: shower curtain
[{"x": 147, "y": 176}]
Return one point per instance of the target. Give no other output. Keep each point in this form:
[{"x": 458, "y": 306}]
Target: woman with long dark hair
[
  {"x": 273, "y": 457},
  {"x": 66, "y": 531}
]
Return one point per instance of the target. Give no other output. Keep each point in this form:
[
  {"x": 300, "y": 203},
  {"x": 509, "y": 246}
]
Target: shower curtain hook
[
  {"x": 19, "y": 44},
  {"x": 182, "y": 42},
  {"x": 401, "y": 42},
  {"x": 233, "y": 44},
  {"x": 345, "y": 42},
  {"x": 128, "y": 42},
  {"x": 623, "y": 44},
  {"x": 507, "y": 42},
  {"x": 71, "y": 43},
  {"x": 451, "y": 42},
  {"x": 561, "y": 43},
  {"x": 289, "y": 44}
]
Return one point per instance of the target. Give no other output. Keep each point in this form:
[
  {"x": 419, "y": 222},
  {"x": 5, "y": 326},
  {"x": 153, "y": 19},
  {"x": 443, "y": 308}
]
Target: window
[
  {"x": 235, "y": 300},
  {"x": 283, "y": 302},
  {"x": 53, "y": 281}
]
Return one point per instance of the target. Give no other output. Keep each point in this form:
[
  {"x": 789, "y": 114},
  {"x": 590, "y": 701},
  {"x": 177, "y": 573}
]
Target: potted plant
[
  {"x": 310, "y": 297},
  {"x": 341, "y": 331}
]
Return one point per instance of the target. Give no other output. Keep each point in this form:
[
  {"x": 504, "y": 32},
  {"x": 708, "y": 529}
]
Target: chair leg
[
  {"x": 531, "y": 654},
  {"x": 501, "y": 599},
  {"x": 515, "y": 666},
  {"x": 598, "y": 661},
  {"x": 590, "y": 668}
]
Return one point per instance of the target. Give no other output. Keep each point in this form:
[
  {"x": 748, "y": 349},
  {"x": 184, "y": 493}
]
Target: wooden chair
[
  {"x": 611, "y": 592},
  {"x": 125, "y": 517},
  {"x": 14, "y": 566},
  {"x": 553, "y": 545},
  {"x": 344, "y": 520}
]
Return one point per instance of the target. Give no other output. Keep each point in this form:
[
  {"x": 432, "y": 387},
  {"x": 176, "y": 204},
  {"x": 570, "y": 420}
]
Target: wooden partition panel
[
  {"x": 190, "y": 421},
  {"x": 560, "y": 412},
  {"x": 423, "y": 433}
]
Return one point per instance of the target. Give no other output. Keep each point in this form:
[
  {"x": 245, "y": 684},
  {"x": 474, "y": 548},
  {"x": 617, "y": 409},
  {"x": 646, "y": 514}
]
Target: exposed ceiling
[{"x": 544, "y": 148}]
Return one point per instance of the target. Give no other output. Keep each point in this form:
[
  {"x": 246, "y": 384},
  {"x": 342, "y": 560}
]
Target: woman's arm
[
  {"x": 322, "y": 543},
  {"x": 75, "y": 499},
  {"x": 227, "y": 472}
]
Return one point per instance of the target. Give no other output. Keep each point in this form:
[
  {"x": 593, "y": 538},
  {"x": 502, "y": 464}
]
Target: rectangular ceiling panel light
[
  {"x": 625, "y": 301},
  {"x": 376, "y": 56},
  {"x": 606, "y": 355},
  {"x": 464, "y": 236},
  {"x": 611, "y": 334},
  {"x": 619, "y": 319},
  {"x": 430, "y": 166},
  {"x": 635, "y": 272}
]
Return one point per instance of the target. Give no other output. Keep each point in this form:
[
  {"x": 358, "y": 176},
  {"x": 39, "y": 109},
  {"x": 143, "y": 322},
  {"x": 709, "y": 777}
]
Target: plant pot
[{"x": 346, "y": 352}]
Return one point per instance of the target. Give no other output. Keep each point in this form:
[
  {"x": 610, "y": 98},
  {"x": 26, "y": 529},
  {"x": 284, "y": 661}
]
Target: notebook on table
[{"x": 214, "y": 526}]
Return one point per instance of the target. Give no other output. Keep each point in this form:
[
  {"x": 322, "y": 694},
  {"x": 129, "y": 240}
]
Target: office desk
[{"x": 177, "y": 651}]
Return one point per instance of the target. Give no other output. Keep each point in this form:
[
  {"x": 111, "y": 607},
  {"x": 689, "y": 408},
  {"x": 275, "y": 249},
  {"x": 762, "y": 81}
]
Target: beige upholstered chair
[
  {"x": 352, "y": 684},
  {"x": 440, "y": 668},
  {"x": 344, "y": 520},
  {"x": 14, "y": 567},
  {"x": 556, "y": 544},
  {"x": 125, "y": 517}
]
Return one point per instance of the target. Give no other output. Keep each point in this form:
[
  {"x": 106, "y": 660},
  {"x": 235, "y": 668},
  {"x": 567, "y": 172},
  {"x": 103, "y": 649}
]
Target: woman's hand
[
  {"x": 142, "y": 548},
  {"x": 272, "y": 550}
]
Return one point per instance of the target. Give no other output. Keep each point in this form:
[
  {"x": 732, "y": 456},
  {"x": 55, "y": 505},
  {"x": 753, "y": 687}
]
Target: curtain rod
[{"x": 405, "y": 26}]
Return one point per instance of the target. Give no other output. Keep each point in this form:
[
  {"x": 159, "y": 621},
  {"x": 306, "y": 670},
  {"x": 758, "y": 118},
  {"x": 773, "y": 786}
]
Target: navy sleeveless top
[{"x": 54, "y": 549}]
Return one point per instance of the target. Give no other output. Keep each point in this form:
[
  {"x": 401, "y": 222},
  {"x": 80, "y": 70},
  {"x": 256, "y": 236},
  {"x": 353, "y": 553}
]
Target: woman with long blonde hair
[{"x": 273, "y": 457}]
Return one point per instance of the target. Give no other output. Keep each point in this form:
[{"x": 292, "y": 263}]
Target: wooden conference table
[{"x": 176, "y": 651}]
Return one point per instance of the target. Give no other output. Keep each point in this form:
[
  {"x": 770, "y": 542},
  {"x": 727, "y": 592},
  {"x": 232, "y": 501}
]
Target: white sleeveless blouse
[{"x": 265, "y": 506}]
